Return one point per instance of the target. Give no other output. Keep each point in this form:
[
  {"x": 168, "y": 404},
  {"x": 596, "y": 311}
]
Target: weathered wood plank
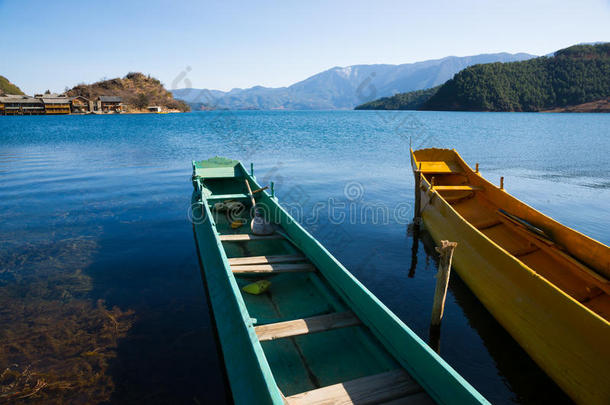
[
  {"x": 236, "y": 261},
  {"x": 306, "y": 325},
  {"x": 273, "y": 268},
  {"x": 244, "y": 237},
  {"x": 463, "y": 187},
  {"x": 366, "y": 390},
  {"x": 442, "y": 280},
  {"x": 223, "y": 197}
]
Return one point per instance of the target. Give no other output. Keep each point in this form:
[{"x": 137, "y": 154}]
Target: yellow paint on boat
[{"x": 545, "y": 283}]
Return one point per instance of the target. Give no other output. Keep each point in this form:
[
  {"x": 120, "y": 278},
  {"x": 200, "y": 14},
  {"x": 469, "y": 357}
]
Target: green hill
[
  {"x": 403, "y": 101},
  {"x": 7, "y": 87},
  {"x": 573, "y": 76},
  {"x": 136, "y": 89}
]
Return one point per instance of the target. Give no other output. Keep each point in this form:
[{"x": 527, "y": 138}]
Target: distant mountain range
[
  {"x": 342, "y": 87},
  {"x": 571, "y": 79}
]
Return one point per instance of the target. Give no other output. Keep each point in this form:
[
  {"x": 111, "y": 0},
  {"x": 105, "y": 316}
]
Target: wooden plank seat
[
  {"x": 374, "y": 389},
  {"x": 440, "y": 167},
  {"x": 238, "y": 261},
  {"x": 306, "y": 325},
  {"x": 461, "y": 187},
  {"x": 223, "y": 197},
  {"x": 273, "y": 268},
  {"x": 244, "y": 237}
]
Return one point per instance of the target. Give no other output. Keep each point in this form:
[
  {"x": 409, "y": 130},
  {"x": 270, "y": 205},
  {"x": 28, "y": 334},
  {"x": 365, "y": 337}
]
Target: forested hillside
[
  {"x": 572, "y": 76},
  {"x": 412, "y": 100}
]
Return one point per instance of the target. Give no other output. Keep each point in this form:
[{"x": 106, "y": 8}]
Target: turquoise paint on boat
[{"x": 267, "y": 372}]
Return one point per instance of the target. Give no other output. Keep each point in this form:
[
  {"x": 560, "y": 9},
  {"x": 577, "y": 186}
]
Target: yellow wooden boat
[{"x": 547, "y": 284}]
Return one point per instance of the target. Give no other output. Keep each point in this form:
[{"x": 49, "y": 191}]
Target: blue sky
[{"x": 51, "y": 45}]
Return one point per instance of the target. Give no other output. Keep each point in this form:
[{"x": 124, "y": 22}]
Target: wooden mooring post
[
  {"x": 442, "y": 281},
  {"x": 440, "y": 293}
]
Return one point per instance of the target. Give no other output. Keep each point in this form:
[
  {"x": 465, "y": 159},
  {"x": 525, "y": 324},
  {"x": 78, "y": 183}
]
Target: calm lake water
[{"x": 101, "y": 298}]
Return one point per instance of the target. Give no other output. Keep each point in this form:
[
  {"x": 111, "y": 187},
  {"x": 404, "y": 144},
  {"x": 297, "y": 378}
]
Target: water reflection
[{"x": 413, "y": 232}]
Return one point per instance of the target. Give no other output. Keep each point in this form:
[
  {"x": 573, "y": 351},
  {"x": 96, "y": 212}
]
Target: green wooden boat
[{"x": 316, "y": 335}]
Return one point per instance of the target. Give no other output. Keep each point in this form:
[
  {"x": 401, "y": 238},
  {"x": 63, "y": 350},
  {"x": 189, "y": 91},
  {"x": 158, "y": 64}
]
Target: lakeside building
[
  {"x": 108, "y": 104},
  {"x": 21, "y": 105},
  {"x": 54, "y": 104},
  {"x": 81, "y": 105}
]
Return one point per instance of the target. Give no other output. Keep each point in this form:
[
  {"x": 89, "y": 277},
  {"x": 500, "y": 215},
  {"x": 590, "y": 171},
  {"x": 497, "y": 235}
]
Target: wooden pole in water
[{"x": 442, "y": 281}]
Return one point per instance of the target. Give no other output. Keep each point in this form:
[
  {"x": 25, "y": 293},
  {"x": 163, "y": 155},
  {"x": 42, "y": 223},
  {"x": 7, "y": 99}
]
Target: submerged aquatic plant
[{"x": 57, "y": 344}]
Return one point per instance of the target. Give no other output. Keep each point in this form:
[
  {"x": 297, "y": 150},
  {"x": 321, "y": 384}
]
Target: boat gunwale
[{"x": 466, "y": 167}]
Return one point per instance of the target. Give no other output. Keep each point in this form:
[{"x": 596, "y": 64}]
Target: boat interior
[
  {"x": 476, "y": 201},
  {"x": 317, "y": 349}
]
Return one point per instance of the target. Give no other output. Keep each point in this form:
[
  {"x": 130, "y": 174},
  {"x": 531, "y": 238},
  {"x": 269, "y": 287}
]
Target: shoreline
[
  {"x": 96, "y": 113},
  {"x": 597, "y": 106}
]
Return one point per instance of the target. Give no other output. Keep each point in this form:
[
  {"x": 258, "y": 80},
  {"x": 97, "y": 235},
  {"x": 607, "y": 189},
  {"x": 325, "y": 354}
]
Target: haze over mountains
[{"x": 343, "y": 87}]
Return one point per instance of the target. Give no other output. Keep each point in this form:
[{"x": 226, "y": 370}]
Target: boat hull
[{"x": 567, "y": 340}]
